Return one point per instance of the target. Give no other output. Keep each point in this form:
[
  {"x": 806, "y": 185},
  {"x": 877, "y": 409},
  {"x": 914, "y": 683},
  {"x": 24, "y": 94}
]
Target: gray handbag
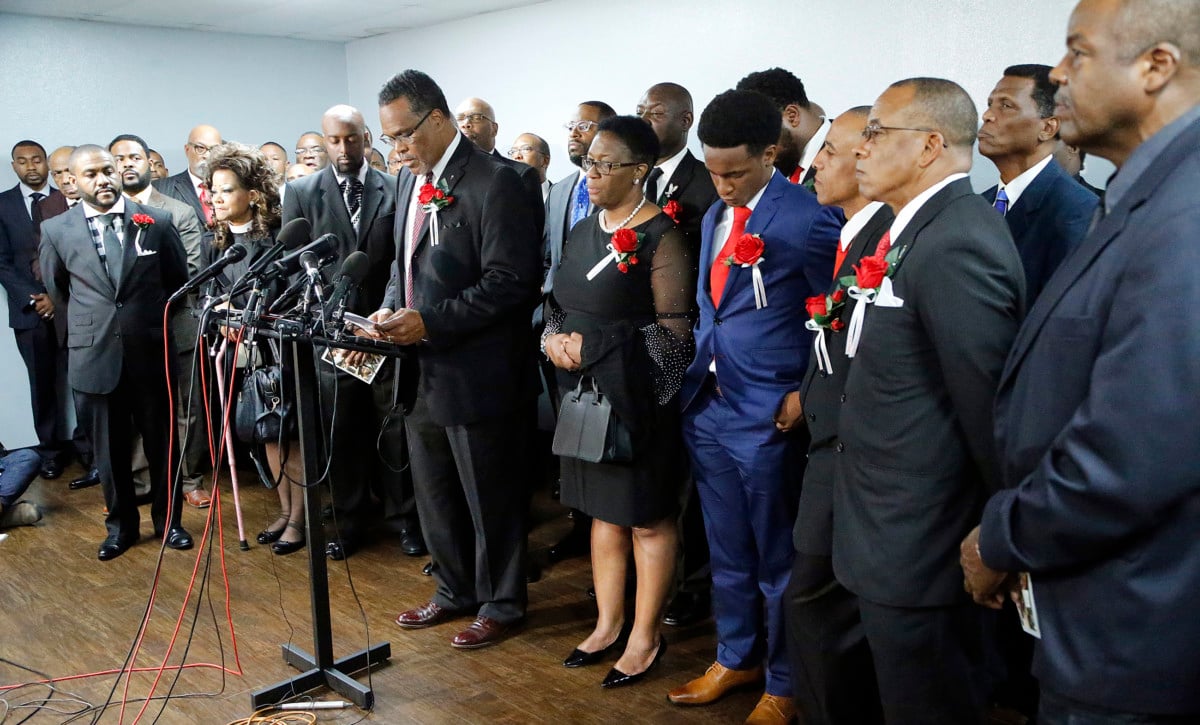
[{"x": 588, "y": 429}]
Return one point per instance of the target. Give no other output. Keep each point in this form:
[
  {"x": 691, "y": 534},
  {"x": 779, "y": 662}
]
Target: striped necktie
[{"x": 1001, "y": 204}]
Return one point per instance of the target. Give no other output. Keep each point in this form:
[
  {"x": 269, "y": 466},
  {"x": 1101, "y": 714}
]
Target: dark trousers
[
  {"x": 393, "y": 475},
  {"x": 111, "y": 419},
  {"x": 189, "y": 407},
  {"x": 692, "y": 570},
  {"x": 1055, "y": 709},
  {"x": 832, "y": 669},
  {"x": 928, "y": 662},
  {"x": 39, "y": 349},
  {"x": 469, "y": 490},
  {"x": 347, "y": 405}
]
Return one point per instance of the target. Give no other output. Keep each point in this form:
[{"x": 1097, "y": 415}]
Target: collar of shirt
[
  {"x": 668, "y": 170},
  {"x": 437, "y": 170},
  {"x": 197, "y": 182},
  {"x": 71, "y": 202},
  {"x": 27, "y": 191},
  {"x": 143, "y": 196},
  {"x": 726, "y": 222},
  {"x": 240, "y": 228},
  {"x": 1143, "y": 156},
  {"x": 855, "y": 224},
  {"x": 1017, "y": 186},
  {"x": 90, "y": 211},
  {"x": 814, "y": 145},
  {"x": 545, "y": 190},
  {"x": 362, "y": 174},
  {"x": 905, "y": 215}
]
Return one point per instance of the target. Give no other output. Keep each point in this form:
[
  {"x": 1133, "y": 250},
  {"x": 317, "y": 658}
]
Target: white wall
[
  {"x": 533, "y": 64},
  {"x": 66, "y": 82}
]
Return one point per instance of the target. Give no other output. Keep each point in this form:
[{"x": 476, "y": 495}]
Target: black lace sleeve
[
  {"x": 669, "y": 339},
  {"x": 554, "y": 320}
]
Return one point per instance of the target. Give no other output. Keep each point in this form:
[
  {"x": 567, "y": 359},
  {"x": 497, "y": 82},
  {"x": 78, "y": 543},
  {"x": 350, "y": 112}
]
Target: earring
[{"x": 637, "y": 180}]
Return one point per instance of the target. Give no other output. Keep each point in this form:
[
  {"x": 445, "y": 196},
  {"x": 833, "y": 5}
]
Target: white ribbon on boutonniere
[
  {"x": 623, "y": 251},
  {"x": 142, "y": 221},
  {"x": 748, "y": 252},
  {"x": 432, "y": 200},
  {"x": 824, "y": 311}
]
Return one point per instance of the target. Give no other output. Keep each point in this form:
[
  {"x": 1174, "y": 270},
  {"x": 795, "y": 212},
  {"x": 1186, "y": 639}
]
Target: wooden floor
[{"x": 64, "y": 613}]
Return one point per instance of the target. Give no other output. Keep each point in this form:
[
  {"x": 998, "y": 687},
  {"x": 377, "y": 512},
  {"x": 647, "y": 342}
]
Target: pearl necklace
[{"x": 632, "y": 214}]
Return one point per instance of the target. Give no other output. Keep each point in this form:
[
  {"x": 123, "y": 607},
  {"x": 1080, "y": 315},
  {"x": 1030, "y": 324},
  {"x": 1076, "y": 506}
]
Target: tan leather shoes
[
  {"x": 772, "y": 710},
  {"x": 714, "y": 684},
  {"x": 198, "y": 498}
]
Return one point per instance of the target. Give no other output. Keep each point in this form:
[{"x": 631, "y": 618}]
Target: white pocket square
[{"x": 886, "y": 297}]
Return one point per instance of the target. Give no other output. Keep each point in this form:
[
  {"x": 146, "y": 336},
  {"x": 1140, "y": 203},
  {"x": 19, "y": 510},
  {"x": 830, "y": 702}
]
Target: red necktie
[
  {"x": 797, "y": 175},
  {"x": 720, "y": 270},
  {"x": 885, "y": 243},
  {"x": 206, "y": 204},
  {"x": 414, "y": 231}
]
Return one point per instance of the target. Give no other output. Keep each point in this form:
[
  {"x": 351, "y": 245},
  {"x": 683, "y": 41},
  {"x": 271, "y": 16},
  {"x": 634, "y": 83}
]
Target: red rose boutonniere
[
  {"x": 673, "y": 209},
  {"x": 143, "y": 222},
  {"x": 622, "y": 249},
  {"x": 823, "y": 311},
  {"x": 748, "y": 252},
  {"x": 432, "y": 200},
  {"x": 871, "y": 283}
]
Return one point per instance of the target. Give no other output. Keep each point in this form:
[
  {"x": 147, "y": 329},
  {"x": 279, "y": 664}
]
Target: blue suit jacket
[
  {"x": 762, "y": 354},
  {"x": 1048, "y": 221},
  {"x": 1099, "y": 441}
]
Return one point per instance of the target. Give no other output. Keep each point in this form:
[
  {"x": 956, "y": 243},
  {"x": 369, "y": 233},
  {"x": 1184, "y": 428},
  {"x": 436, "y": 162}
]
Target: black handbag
[
  {"x": 588, "y": 429},
  {"x": 264, "y": 412}
]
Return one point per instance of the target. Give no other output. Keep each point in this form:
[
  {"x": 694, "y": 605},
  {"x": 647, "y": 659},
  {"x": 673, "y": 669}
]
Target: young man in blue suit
[
  {"x": 1096, "y": 426},
  {"x": 741, "y": 396},
  {"x": 1047, "y": 211}
]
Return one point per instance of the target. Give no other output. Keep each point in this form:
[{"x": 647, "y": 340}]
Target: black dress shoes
[
  {"x": 412, "y": 543},
  {"x": 91, "y": 478},
  {"x": 577, "y": 542},
  {"x": 617, "y": 678},
  {"x": 177, "y": 538},
  {"x": 341, "y": 549},
  {"x": 282, "y": 547},
  {"x": 51, "y": 469},
  {"x": 427, "y": 570},
  {"x": 113, "y": 546},
  {"x": 687, "y": 609},
  {"x": 579, "y": 658}
]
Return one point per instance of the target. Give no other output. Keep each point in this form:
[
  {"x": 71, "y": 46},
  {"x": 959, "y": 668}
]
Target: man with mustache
[
  {"x": 116, "y": 261},
  {"x": 187, "y": 186}
]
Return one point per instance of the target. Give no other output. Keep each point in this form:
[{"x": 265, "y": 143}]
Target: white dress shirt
[
  {"x": 27, "y": 195},
  {"x": 905, "y": 215},
  {"x": 668, "y": 170},
  {"x": 855, "y": 224},
  {"x": 1017, "y": 186}
]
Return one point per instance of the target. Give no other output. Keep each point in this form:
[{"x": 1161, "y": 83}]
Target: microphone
[
  {"x": 293, "y": 234},
  {"x": 312, "y": 270},
  {"x": 354, "y": 271},
  {"x": 235, "y": 253},
  {"x": 323, "y": 246}
]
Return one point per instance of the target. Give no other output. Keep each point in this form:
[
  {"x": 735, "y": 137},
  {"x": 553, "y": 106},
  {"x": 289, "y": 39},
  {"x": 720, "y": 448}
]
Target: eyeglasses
[
  {"x": 874, "y": 129},
  {"x": 604, "y": 168},
  {"x": 648, "y": 115},
  {"x": 516, "y": 151},
  {"x": 310, "y": 150},
  {"x": 200, "y": 148},
  {"x": 580, "y": 126},
  {"x": 472, "y": 118},
  {"x": 407, "y": 136}
]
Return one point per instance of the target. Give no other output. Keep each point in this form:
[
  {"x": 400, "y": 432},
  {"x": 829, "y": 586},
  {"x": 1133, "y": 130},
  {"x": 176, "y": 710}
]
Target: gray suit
[
  {"x": 116, "y": 340},
  {"x": 557, "y": 226}
]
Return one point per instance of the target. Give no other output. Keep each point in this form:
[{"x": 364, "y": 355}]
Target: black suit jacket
[
  {"x": 1097, "y": 432},
  {"x": 691, "y": 185},
  {"x": 318, "y": 199},
  {"x": 1048, "y": 221},
  {"x": 915, "y": 437},
  {"x": 475, "y": 291},
  {"x": 820, "y": 396},
  {"x": 180, "y": 187},
  {"x": 113, "y": 330},
  {"x": 530, "y": 180},
  {"x": 18, "y": 256}
]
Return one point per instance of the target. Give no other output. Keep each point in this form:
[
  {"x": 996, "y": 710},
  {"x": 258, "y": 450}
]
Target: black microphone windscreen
[
  {"x": 236, "y": 253},
  {"x": 295, "y": 233},
  {"x": 356, "y": 266}
]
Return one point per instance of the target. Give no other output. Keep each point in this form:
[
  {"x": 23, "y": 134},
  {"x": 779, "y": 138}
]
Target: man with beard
[
  {"x": 133, "y": 164},
  {"x": 567, "y": 205},
  {"x": 30, "y": 310},
  {"x": 188, "y": 186},
  {"x": 350, "y": 199},
  {"x": 117, "y": 274},
  {"x": 802, "y": 119}
]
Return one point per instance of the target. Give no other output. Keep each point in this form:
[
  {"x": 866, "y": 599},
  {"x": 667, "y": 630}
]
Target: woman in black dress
[
  {"x": 621, "y": 315},
  {"x": 246, "y": 211}
]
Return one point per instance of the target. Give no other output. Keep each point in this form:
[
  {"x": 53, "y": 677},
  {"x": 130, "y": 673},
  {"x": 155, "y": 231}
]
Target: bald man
[
  {"x": 532, "y": 150},
  {"x": 477, "y": 120},
  {"x": 188, "y": 186},
  {"x": 350, "y": 199}
]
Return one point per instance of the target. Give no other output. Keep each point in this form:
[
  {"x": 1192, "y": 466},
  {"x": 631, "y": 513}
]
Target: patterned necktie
[
  {"x": 579, "y": 210},
  {"x": 720, "y": 270},
  {"x": 1001, "y": 204},
  {"x": 352, "y": 191},
  {"x": 112, "y": 248},
  {"x": 414, "y": 230},
  {"x": 652, "y": 184},
  {"x": 885, "y": 243},
  {"x": 206, "y": 204},
  {"x": 35, "y": 213}
]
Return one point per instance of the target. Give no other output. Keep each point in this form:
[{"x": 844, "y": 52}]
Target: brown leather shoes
[
  {"x": 483, "y": 631},
  {"x": 198, "y": 498},
  {"x": 426, "y": 615},
  {"x": 772, "y": 710},
  {"x": 716, "y": 683}
]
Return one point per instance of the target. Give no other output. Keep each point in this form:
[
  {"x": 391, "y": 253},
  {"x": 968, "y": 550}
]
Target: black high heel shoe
[
  {"x": 287, "y": 547},
  {"x": 617, "y": 678},
  {"x": 268, "y": 536},
  {"x": 579, "y": 658}
]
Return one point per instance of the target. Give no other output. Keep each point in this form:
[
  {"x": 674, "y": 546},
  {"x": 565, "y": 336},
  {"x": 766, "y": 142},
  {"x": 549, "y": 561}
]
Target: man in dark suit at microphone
[
  {"x": 463, "y": 287},
  {"x": 348, "y": 198}
]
